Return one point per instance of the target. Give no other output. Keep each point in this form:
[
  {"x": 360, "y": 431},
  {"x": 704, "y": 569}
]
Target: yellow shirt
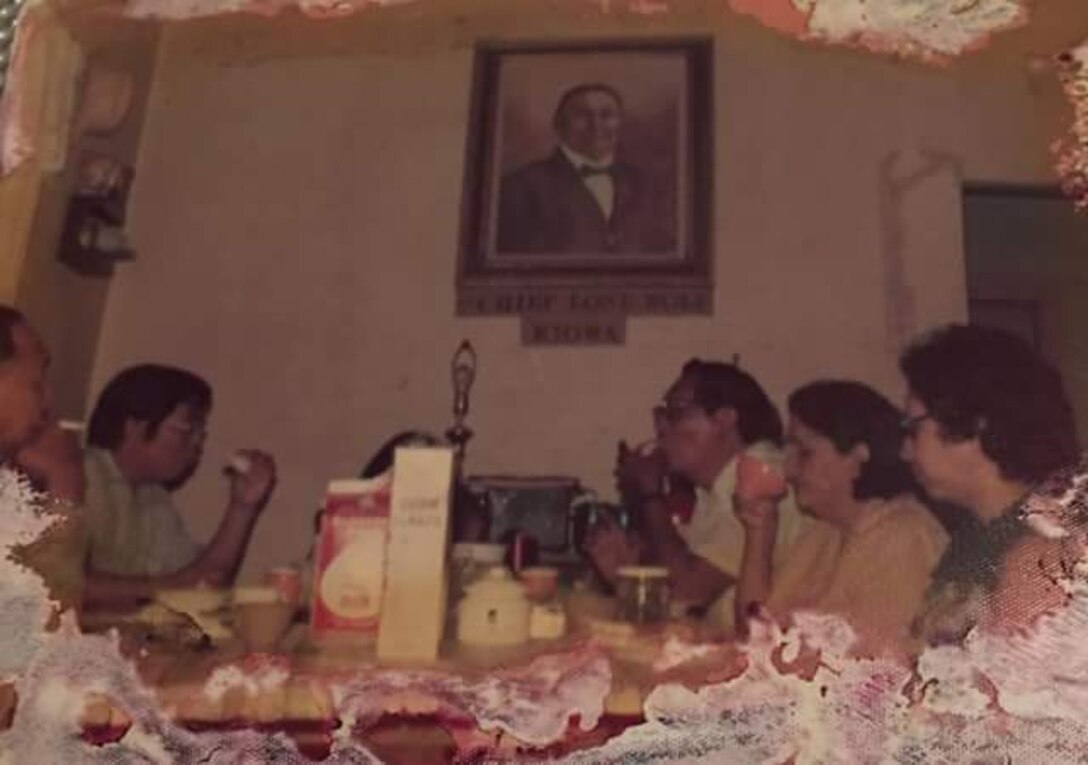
[
  {"x": 716, "y": 535},
  {"x": 875, "y": 575}
]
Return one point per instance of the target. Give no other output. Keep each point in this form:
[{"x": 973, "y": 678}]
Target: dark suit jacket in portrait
[{"x": 545, "y": 206}]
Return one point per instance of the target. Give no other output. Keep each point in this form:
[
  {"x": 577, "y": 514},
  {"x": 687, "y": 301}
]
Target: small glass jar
[{"x": 643, "y": 594}]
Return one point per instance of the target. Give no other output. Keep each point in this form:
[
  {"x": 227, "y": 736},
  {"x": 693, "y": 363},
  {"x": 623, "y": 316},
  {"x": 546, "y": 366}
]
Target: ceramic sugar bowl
[{"x": 494, "y": 611}]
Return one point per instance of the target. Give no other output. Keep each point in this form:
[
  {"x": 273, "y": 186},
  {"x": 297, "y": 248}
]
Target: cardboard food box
[
  {"x": 349, "y": 563},
  {"x": 414, "y": 611}
]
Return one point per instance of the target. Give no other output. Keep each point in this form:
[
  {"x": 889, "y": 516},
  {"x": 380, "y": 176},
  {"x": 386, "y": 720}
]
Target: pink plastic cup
[{"x": 760, "y": 477}]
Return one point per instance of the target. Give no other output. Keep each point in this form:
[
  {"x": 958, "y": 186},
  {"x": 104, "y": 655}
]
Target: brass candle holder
[{"x": 463, "y": 370}]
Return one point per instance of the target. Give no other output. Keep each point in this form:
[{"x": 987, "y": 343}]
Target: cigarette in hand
[{"x": 71, "y": 426}]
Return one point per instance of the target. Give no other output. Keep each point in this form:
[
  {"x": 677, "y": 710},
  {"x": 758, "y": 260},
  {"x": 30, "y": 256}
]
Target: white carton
[{"x": 414, "y": 608}]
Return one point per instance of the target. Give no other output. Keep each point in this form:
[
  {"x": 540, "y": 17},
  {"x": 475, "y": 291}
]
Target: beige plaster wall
[
  {"x": 296, "y": 215},
  {"x": 67, "y": 308}
]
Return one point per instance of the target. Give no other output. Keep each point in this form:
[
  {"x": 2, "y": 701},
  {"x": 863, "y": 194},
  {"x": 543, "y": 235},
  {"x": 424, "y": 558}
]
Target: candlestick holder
[{"x": 463, "y": 370}]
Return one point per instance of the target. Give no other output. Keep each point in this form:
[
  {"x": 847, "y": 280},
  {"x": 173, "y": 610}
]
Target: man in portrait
[{"x": 584, "y": 197}]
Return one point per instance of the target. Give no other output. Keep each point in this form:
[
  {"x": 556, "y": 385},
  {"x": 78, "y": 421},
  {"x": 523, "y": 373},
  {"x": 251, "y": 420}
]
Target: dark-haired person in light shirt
[
  {"x": 145, "y": 438},
  {"x": 710, "y": 415}
]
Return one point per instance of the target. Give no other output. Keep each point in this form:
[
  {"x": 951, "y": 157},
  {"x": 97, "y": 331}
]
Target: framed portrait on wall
[{"x": 589, "y": 164}]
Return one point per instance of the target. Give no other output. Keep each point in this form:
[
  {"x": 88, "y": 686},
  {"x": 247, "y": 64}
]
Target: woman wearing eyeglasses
[
  {"x": 869, "y": 556},
  {"x": 987, "y": 422}
]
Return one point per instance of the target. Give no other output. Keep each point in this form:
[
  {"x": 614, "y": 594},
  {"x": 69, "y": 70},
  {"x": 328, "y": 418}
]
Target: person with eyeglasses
[
  {"x": 869, "y": 557},
  {"x": 711, "y": 414},
  {"x": 988, "y": 427},
  {"x": 145, "y": 438}
]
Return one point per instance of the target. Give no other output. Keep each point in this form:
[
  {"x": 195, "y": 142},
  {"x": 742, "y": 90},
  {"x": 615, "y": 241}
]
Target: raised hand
[
  {"x": 55, "y": 460},
  {"x": 760, "y": 477},
  {"x": 639, "y": 473},
  {"x": 756, "y": 514},
  {"x": 250, "y": 489}
]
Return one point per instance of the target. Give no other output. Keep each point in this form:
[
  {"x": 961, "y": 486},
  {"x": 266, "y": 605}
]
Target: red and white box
[{"x": 349, "y": 564}]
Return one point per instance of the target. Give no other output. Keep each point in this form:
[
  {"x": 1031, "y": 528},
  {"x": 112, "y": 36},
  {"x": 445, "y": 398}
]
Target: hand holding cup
[
  {"x": 252, "y": 476},
  {"x": 760, "y": 475},
  {"x": 761, "y": 484},
  {"x": 640, "y": 471},
  {"x": 55, "y": 460}
]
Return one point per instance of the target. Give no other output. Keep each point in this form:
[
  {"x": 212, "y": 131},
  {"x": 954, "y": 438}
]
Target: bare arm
[
  {"x": 693, "y": 579},
  {"x": 759, "y": 517},
  {"x": 218, "y": 563},
  {"x": 55, "y": 461},
  {"x": 216, "y": 566}
]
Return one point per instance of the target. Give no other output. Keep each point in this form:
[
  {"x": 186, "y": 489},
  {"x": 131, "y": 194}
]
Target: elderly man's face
[
  {"x": 590, "y": 124},
  {"x": 690, "y": 436},
  {"x": 23, "y": 392}
]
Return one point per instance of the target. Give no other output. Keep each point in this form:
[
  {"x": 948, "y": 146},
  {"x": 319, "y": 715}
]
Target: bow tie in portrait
[{"x": 588, "y": 171}]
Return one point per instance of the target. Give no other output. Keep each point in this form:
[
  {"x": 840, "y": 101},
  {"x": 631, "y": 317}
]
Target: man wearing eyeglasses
[
  {"x": 712, "y": 413},
  {"x": 145, "y": 438}
]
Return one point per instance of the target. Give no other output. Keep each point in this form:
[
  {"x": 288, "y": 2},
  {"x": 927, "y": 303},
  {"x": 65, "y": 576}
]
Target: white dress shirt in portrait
[{"x": 597, "y": 176}]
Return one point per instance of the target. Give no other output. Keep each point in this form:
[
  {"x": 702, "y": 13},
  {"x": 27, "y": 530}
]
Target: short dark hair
[
  {"x": 718, "y": 385},
  {"x": 849, "y": 413},
  {"x": 986, "y": 383},
  {"x": 578, "y": 90},
  {"x": 10, "y": 318},
  {"x": 148, "y": 393},
  {"x": 382, "y": 459}
]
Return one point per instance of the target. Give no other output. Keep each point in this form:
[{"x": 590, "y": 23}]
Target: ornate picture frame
[{"x": 588, "y": 179}]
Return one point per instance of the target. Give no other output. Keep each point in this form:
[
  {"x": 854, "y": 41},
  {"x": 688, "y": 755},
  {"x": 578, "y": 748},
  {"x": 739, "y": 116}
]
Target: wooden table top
[{"x": 305, "y": 666}]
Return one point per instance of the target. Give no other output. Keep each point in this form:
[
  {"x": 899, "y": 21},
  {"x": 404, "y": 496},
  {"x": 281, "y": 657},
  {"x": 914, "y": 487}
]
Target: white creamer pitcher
[{"x": 494, "y": 611}]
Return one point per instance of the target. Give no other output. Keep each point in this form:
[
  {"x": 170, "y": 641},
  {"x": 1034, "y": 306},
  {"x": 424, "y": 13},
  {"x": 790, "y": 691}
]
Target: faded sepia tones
[{"x": 295, "y": 216}]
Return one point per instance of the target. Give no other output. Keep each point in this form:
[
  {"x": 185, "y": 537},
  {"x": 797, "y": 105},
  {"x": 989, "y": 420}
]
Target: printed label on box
[{"x": 349, "y": 566}]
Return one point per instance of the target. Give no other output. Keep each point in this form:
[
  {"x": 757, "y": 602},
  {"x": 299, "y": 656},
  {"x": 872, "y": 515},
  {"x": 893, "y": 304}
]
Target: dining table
[{"x": 592, "y": 682}]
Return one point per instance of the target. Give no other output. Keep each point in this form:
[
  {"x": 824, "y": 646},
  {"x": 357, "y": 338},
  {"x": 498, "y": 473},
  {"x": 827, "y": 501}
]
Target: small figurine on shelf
[{"x": 94, "y": 239}]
